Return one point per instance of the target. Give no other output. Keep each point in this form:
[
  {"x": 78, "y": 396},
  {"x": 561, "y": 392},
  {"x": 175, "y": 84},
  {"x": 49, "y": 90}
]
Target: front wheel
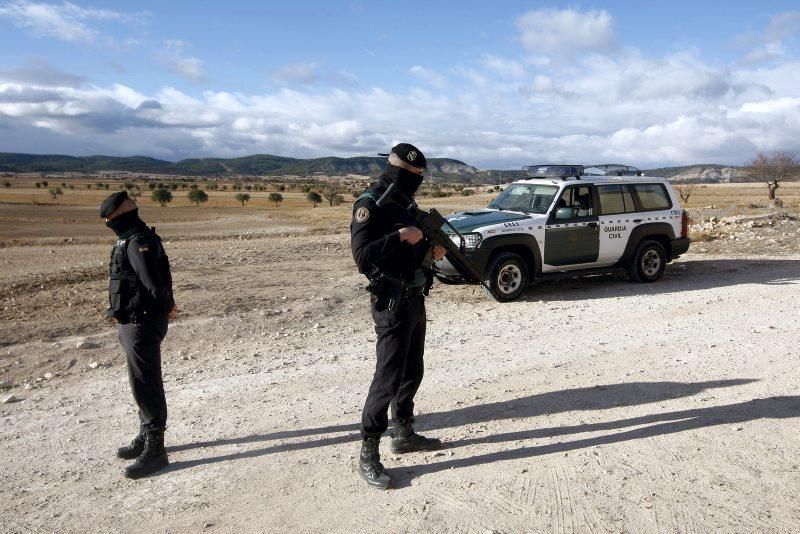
[
  {"x": 506, "y": 277},
  {"x": 648, "y": 262}
]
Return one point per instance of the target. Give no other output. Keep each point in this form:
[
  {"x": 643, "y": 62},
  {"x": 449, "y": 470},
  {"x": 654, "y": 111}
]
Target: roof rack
[
  {"x": 554, "y": 171},
  {"x": 612, "y": 169}
]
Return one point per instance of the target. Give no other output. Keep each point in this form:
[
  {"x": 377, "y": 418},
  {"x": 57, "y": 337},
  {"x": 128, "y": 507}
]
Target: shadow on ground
[
  {"x": 577, "y": 399},
  {"x": 679, "y": 277}
]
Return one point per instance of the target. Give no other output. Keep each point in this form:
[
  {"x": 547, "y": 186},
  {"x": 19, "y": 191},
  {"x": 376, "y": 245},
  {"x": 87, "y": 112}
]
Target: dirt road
[{"x": 592, "y": 405}]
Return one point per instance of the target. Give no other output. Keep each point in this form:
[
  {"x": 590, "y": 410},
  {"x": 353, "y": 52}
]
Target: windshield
[{"x": 527, "y": 198}]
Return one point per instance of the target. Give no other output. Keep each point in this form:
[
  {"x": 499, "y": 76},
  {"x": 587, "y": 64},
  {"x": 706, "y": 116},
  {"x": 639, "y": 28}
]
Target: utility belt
[{"x": 390, "y": 292}]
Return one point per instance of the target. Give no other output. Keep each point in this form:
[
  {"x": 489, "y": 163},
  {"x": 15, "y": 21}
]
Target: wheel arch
[
  {"x": 663, "y": 233},
  {"x": 524, "y": 245}
]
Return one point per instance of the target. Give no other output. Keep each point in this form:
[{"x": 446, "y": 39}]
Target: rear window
[
  {"x": 615, "y": 199},
  {"x": 653, "y": 197}
]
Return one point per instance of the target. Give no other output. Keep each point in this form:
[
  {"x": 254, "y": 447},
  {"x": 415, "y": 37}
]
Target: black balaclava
[
  {"x": 125, "y": 222},
  {"x": 407, "y": 181}
]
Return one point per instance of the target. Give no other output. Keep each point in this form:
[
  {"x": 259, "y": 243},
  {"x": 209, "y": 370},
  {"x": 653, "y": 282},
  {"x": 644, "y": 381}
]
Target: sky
[{"x": 495, "y": 84}]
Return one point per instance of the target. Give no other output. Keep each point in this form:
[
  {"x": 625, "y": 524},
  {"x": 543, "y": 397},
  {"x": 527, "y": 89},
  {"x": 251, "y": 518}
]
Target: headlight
[{"x": 471, "y": 241}]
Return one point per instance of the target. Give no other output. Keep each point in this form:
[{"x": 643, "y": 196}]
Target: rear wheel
[
  {"x": 506, "y": 277},
  {"x": 648, "y": 262}
]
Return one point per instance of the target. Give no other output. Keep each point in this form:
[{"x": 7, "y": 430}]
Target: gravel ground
[{"x": 591, "y": 405}]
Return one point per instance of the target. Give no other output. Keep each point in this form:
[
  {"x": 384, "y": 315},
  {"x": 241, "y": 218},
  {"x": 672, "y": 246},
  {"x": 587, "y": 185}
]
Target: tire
[
  {"x": 506, "y": 277},
  {"x": 648, "y": 262}
]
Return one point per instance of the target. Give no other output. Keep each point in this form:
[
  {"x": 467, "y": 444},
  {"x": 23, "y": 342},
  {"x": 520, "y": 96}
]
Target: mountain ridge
[{"x": 257, "y": 164}]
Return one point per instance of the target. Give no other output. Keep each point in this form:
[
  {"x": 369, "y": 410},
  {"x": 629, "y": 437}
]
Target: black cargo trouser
[
  {"x": 399, "y": 367},
  {"x": 142, "y": 345}
]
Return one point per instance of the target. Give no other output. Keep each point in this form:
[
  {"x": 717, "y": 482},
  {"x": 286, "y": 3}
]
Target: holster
[{"x": 388, "y": 291}]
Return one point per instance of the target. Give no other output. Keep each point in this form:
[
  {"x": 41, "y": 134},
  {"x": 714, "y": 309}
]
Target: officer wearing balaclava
[
  {"x": 390, "y": 250},
  {"x": 141, "y": 301}
]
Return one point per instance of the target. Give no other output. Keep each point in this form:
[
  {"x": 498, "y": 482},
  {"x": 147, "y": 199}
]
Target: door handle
[
  {"x": 592, "y": 225},
  {"x": 637, "y": 220}
]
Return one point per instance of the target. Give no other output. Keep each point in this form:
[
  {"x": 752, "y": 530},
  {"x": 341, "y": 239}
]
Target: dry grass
[{"x": 29, "y": 215}]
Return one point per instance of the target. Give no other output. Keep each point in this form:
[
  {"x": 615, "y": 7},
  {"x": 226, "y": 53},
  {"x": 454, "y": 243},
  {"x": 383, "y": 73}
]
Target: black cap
[
  {"x": 410, "y": 155},
  {"x": 111, "y": 203}
]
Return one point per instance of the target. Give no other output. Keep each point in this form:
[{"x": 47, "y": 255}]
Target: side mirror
[{"x": 565, "y": 213}]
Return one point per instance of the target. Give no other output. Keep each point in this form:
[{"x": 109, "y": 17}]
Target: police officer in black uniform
[
  {"x": 390, "y": 250},
  {"x": 141, "y": 300}
]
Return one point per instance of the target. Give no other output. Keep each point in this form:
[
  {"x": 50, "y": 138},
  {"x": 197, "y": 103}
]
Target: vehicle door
[
  {"x": 572, "y": 233},
  {"x": 617, "y": 220}
]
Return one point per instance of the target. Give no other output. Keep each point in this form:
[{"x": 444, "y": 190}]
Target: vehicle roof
[{"x": 594, "y": 180}]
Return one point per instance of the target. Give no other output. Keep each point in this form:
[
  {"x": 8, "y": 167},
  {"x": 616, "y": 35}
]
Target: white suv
[{"x": 570, "y": 220}]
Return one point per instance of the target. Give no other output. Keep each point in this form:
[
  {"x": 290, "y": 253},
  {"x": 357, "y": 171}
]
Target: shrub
[
  {"x": 161, "y": 195},
  {"x": 197, "y": 196},
  {"x": 54, "y": 192},
  {"x": 277, "y": 198},
  {"x": 314, "y": 198}
]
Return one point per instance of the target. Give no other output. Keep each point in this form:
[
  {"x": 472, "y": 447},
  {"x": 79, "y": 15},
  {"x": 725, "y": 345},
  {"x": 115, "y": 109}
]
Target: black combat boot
[
  {"x": 406, "y": 440},
  {"x": 132, "y": 451},
  {"x": 370, "y": 465},
  {"x": 153, "y": 457}
]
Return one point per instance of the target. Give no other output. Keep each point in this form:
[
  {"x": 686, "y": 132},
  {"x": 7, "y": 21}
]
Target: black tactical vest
[{"x": 129, "y": 300}]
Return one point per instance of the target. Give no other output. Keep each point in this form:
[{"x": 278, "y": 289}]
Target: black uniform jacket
[
  {"x": 147, "y": 258},
  {"x": 375, "y": 238}
]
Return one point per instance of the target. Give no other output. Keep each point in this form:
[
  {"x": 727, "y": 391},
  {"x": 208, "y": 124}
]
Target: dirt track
[{"x": 593, "y": 405}]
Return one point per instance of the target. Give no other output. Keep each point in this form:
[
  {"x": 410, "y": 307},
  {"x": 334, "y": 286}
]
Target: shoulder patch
[
  {"x": 144, "y": 249},
  {"x": 362, "y": 215}
]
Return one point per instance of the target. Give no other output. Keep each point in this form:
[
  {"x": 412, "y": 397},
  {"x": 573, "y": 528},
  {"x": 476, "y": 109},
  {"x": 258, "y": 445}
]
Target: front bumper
[
  {"x": 479, "y": 257},
  {"x": 679, "y": 246}
]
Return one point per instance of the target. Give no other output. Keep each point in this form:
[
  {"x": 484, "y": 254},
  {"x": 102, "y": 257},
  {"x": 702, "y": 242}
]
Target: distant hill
[
  {"x": 257, "y": 164},
  {"x": 708, "y": 173}
]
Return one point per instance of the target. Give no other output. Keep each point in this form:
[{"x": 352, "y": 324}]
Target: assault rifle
[{"x": 431, "y": 224}]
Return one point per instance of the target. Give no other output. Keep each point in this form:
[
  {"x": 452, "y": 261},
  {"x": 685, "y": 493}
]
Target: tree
[
  {"x": 88, "y": 186},
  {"x": 38, "y": 184},
  {"x": 773, "y": 168},
  {"x": 281, "y": 188},
  {"x": 277, "y": 198},
  {"x": 6, "y": 183},
  {"x": 161, "y": 195},
  {"x": 330, "y": 193},
  {"x": 44, "y": 183},
  {"x": 242, "y": 197},
  {"x": 197, "y": 196},
  {"x": 128, "y": 185},
  {"x": 55, "y": 191},
  {"x": 685, "y": 191},
  {"x": 314, "y": 198}
]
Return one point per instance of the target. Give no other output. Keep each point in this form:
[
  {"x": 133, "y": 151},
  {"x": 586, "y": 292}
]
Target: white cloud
[
  {"x": 66, "y": 21},
  {"x": 182, "y": 64},
  {"x": 783, "y": 25},
  {"x": 430, "y": 76},
  {"x": 507, "y": 68},
  {"x": 563, "y": 33},
  {"x": 770, "y": 45}
]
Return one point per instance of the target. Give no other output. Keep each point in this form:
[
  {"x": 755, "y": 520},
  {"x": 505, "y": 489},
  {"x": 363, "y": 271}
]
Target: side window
[
  {"x": 615, "y": 199},
  {"x": 578, "y": 199},
  {"x": 653, "y": 197}
]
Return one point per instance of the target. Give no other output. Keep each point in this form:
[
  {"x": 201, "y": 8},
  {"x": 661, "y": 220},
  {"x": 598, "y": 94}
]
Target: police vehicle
[{"x": 571, "y": 220}]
